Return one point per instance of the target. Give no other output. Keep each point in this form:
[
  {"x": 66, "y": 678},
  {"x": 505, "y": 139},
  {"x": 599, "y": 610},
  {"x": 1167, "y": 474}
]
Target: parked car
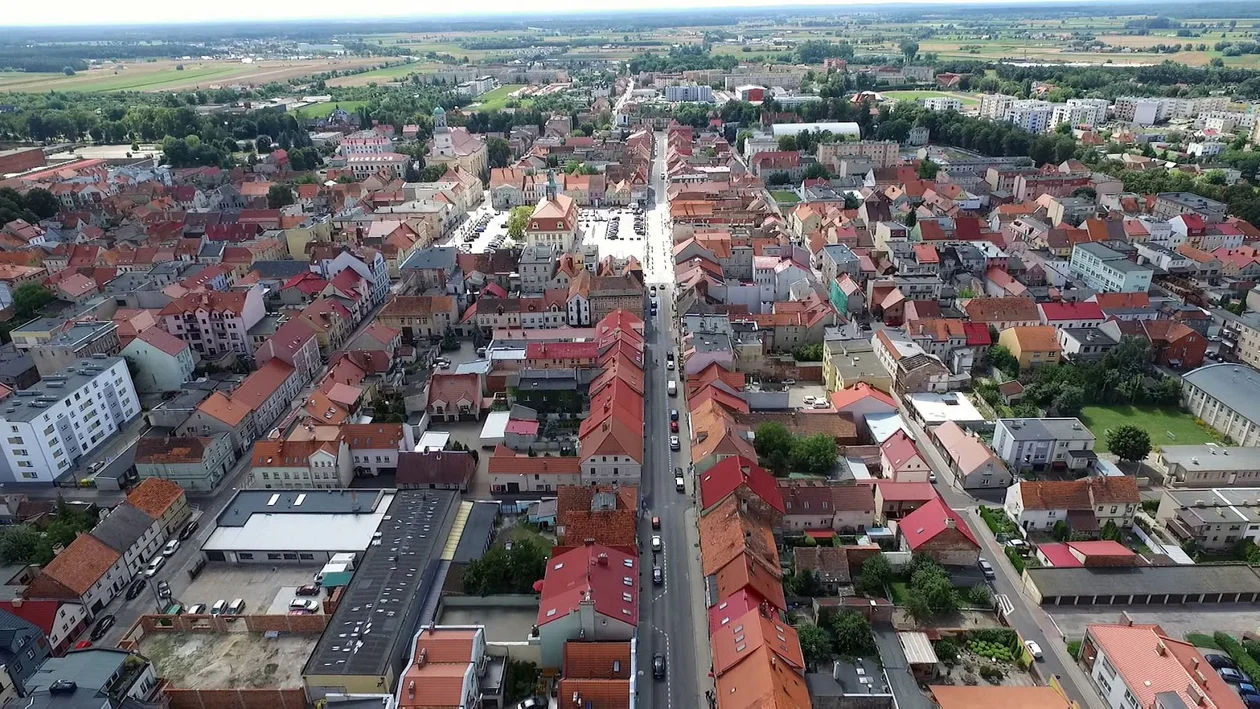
[
  {"x": 171, "y": 547},
  {"x": 658, "y": 575},
  {"x": 219, "y": 607},
  {"x": 1233, "y": 676},
  {"x": 657, "y": 544},
  {"x": 154, "y": 566},
  {"x": 987, "y": 569},
  {"x": 673, "y": 414},
  {"x": 135, "y": 588},
  {"x": 1219, "y": 661},
  {"x": 674, "y": 443},
  {"x": 309, "y": 589},
  {"x": 163, "y": 589},
  {"x": 299, "y": 604},
  {"x": 673, "y": 427},
  {"x": 658, "y": 666},
  {"x": 1033, "y": 649},
  {"x": 656, "y": 523},
  {"x": 102, "y": 626},
  {"x": 187, "y": 531},
  {"x": 197, "y": 609}
]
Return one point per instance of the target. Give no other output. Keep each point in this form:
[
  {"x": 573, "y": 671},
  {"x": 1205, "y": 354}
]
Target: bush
[
  {"x": 993, "y": 651},
  {"x": 1246, "y": 663},
  {"x": 992, "y": 673},
  {"x": 980, "y": 596},
  {"x": 1074, "y": 649},
  {"x": 947, "y": 651},
  {"x": 1016, "y": 560}
]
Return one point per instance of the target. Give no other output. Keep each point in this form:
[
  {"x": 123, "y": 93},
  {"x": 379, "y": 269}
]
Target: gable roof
[
  {"x": 81, "y": 564},
  {"x": 1007, "y": 309},
  {"x": 929, "y": 521},
  {"x": 154, "y": 496},
  {"x": 592, "y": 572},
  {"x": 731, "y": 473},
  {"x": 122, "y": 527}
]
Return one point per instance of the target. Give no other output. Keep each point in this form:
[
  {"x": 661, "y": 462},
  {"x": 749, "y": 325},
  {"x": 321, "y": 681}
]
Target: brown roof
[
  {"x": 606, "y": 515},
  {"x": 160, "y": 449},
  {"x": 435, "y": 468},
  {"x": 164, "y": 341},
  {"x": 1037, "y": 338},
  {"x": 1011, "y": 308},
  {"x": 505, "y": 462},
  {"x": 262, "y": 384},
  {"x": 1054, "y": 495},
  {"x": 838, "y": 425},
  {"x": 596, "y": 660},
  {"x": 84, "y": 562},
  {"x": 218, "y": 405},
  {"x": 413, "y": 305},
  {"x": 1121, "y": 489},
  {"x": 727, "y": 531},
  {"x": 363, "y": 436},
  {"x": 155, "y": 496},
  {"x": 831, "y": 563}
]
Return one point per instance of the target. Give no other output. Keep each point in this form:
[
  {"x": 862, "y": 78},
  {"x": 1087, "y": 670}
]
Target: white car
[
  {"x": 657, "y": 544},
  {"x": 809, "y": 400},
  {"x": 171, "y": 547},
  {"x": 299, "y": 604},
  {"x": 154, "y": 565},
  {"x": 1033, "y": 649}
]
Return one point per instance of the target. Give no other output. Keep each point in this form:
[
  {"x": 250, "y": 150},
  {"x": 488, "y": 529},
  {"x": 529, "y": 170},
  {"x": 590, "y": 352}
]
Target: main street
[{"x": 671, "y": 614}]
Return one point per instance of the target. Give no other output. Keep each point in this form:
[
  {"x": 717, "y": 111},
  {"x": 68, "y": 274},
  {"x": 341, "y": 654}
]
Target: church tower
[{"x": 442, "y": 145}]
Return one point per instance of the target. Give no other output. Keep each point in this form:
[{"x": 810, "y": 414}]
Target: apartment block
[
  {"x": 1109, "y": 271},
  {"x": 50, "y": 426}
]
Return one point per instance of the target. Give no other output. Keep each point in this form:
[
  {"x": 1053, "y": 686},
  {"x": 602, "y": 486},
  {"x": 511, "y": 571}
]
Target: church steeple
[
  {"x": 439, "y": 120},
  {"x": 551, "y": 185}
]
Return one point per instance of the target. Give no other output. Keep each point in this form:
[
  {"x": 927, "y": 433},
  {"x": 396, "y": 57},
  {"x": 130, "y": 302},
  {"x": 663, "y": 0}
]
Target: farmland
[{"x": 165, "y": 75}]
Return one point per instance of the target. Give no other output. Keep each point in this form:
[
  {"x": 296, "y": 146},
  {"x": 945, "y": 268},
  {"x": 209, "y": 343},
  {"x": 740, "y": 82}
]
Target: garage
[{"x": 1144, "y": 585}]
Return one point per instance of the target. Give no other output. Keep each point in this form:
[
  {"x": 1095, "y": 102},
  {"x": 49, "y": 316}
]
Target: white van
[{"x": 672, "y": 388}]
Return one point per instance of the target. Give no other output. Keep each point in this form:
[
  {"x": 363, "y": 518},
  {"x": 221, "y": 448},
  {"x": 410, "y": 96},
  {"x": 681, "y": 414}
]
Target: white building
[
  {"x": 941, "y": 103},
  {"x": 65, "y": 417},
  {"x": 1080, "y": 111},
  {"x": 995, "y": 106},
  {"x": 364, "y": 166},
  {"x": 692, "y": 93},
  {"x": 1032, "y": 115},
  {"x": 1109, "y": 271}
]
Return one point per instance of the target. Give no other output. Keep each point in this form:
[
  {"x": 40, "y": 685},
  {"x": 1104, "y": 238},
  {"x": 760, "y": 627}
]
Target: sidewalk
[{"x": 699, "y": 611}]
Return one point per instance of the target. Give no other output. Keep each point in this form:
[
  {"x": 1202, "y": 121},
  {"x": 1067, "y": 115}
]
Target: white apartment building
[
  {"x": 1225, "y": 121},
  {"x": 1149, "y": 110},
  {"x": 1032, "y": 115},
  {"x": 364, "y": 166},
  {"x": 693, "y": 93},
  {"x": 884, "y": 153},
  {"x": 50, "y": 426},
  {"x": 215, "y": 322},
  {"x": 1109, "y": 271},
  {"x": 369, "y": 143},
  {"x": 1080, "y": 111},
  {"x": 941, "y": 103},
  {"x": 995, "y": 106}
]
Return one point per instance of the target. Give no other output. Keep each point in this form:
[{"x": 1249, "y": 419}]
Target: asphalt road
[
  {"x": 1021, "y": 612},
  {"x": 668, "y": 611}
]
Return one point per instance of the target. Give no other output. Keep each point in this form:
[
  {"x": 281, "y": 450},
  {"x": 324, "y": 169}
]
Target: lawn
[
  {"x": 785, "y": 196},
  {"x": 1155, "y": 420},
  {"x": 967, "y": 99},
  {"x": 322, "y": 110},
  {"x": 497, "y": 100}
]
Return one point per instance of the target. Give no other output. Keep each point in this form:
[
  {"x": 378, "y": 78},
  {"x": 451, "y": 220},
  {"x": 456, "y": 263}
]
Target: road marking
[
  {"x": 1004, "y": 601},
  {"x": 669, "y": 677}
]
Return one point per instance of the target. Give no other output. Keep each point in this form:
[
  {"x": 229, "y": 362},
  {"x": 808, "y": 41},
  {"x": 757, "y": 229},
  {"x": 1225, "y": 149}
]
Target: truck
[{"x": 672, "y": 387}]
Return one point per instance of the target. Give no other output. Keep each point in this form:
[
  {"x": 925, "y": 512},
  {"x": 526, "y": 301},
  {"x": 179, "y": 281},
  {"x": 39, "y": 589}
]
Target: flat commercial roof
[
  {"x": 475, "y": 537},
  {"x": 300, "y": 520},
  {"x": 1141, "y": 580},
  {"x": 1213, "y": 457},
  {"x": 1234, "y": 385},
  {"x": 381, "y": 606},
  {"x": 495, "y": 425},
  {"x": 918, "y": 648},
  {"x": 936, "y": 409}
]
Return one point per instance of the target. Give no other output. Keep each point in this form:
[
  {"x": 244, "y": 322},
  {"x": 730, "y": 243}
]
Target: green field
[
  {"x": 967, "y": 99},
  {"x": 1155, "y": 420},
  {"x": 497, "y": 100},
  {"x": 321, "y": 110},
  {"x": 785, "y": 197},
  {"x": 384, "y": 74}
]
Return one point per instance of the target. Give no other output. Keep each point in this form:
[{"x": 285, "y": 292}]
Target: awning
[{"x": 820, "y": 533}]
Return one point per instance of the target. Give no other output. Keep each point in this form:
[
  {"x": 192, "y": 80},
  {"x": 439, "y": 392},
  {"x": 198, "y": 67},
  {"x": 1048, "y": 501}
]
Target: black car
[
  {"x": 1219, "y": 661},
  {"x": 187, "y": 531},
  {"x": 134, "y": 589},
  {"x": 658, "y": 575},
  {"x": 658, "y": 666},
  {"x": 673, "y": 414},
  {"x": 102, "y": 626}
]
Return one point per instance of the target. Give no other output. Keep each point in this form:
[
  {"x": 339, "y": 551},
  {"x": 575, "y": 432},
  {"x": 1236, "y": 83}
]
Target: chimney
[
  {"x": 411, "y": 689},
  {"x": 949, "y": 523},
  {"x": 602, "y": 559}
]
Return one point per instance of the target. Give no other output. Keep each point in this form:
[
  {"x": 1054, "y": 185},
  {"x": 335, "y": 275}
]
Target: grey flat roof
[
  {"x": 1234, "y": 385},
  {"x": 79, "y": 333},
  {"x": 246, "y": 503},
  {"x": 122, "y": 527},
  {"x": 1123, "y": 581},
  {"x": 90, "y": 669},
  {"x": 475, "y": 538},
  {"x": 1212, "y": 457},
  {"x": 74, "y": 377},
  {"x": 382, "y": 604},
  {"x": 1057, "y": 429}
]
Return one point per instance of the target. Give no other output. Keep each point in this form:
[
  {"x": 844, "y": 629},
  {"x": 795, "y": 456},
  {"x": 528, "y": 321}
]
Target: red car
[{"x": 673, "y": 427}]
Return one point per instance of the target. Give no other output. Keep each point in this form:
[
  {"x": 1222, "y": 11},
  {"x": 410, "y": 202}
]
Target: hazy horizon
[{"x": 156, "y": 12}]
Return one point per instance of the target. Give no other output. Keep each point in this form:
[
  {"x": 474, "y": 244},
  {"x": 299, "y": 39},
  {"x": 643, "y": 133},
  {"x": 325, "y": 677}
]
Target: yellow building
[{"x": 1033, "y": 346}]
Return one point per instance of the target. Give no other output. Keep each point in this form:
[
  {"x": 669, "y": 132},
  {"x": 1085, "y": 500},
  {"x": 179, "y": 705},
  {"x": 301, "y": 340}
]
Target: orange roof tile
[{"x": 154, "y": 496}]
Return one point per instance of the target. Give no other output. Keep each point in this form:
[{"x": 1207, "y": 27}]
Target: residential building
[
  {"x": 976, "y": 466},
  {"x": 589, "y": 593},
  {"x": 454, "y": 397},
  {"x": 514, "y": 473},
  {"x": 106, "y": 677},
  {"x": 87, "y": 572},
  {"x": 435, "y": 470},
  {"x": 743, "y": 479},
  {"x": 1109, "y": 271},
  {"x": 73, "y": 341},
  {"x": 67, "y": 416},
  {"x": 692, "y": 93},
  {"x": 607, "y": 515},
  {"x": 420, "y": 317},
  {"x": 1037, "y": 444},
  {"x": 940, "y": 533},
  {"x": 163, "y": 362},
  {"x": 446, "y": 667},
  {"x": 1226, "y": 397},
  {"x": 192, "y": 462},
  {"x": 1214, "y": 519},
  {"x": 1171, "y": 204},
  {"x": 61, "y": 621},
  {"x": 300, "y": 465},
  {"x": 215, "y": 323},
  {"x": 1085, "y": 505},
  {"x": 164, "y": 501},
  {"x": 901, "y": 461},
  {"x": 824, "y": 508},
  {"x": 1210, "y": 465},
  {"x": 1032, "y": 346},
  {"x": 1130, "y": 665},
  {"x": 23, "y": 648},
  {"x": 456, "y": 147},
  {"x": 132, "y": 533}
]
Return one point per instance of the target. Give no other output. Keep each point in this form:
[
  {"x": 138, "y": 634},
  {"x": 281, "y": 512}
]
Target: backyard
[
  {"x": 1166, "y": 425},
  {"x": 785, "y": 196},
  {"x": 497, "y": 99}
]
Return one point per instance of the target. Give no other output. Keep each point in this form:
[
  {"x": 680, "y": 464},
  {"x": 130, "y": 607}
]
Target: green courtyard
[{"x": 1158, "y": 421}]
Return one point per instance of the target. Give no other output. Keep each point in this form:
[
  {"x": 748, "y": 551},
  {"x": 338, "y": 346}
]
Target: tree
[
  {"x": 1129, "y": 442},
  {"x": 498, "y": 152},
  {"x": 773, "y": 443},
  {"x": 411, "y": 174},
  {"x": 808, "y": 353},
  {"x": 817, "y": 171},
  {"x": 28, "y": 298},
  {"x": 517, "y": 221},
  {"x": 1001, "y": 357},
  {"x": 68, "y": 71},
  {"x": 815, "y": 455},
  {"x": 432, "y": 173},
  {"x": 872, "y": 580},
  {"x": 42, "y": 203},
  {"x": 787, "y": 143},
  {"x": 1069, "y": 401},
  {"x": 1061, "y": 531},
  {"x": 928, "y": 169},
  {"x": 263, "y": 144},
  {"x": 279, "y": 196},
  {"x": 815, "y": 644},
  {"x": 852, "y": 633},
  {"x": 741, "y": 139},
  {"x": 910, "y": 49},
  {"x": 503, "y": 570},
  {"x": 806, "y": 584}
]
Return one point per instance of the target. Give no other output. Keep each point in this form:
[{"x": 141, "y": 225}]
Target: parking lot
[
  {"x": 1177, "y": 620},
  {"x": 266, "y": 589},
  {"x": 612, "y": 231},
  {"x": 493, "y": 234}
]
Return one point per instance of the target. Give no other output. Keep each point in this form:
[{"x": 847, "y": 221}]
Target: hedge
[{"x": 1235, "y": 650}]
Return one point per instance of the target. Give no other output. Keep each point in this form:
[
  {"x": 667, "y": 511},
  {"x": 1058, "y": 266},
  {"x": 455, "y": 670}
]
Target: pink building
[{"x": 215, "y": 322}]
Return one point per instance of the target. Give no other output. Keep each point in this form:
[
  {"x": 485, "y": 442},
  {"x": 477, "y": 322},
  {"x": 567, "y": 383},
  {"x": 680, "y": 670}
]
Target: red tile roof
[
  {"x": 154, "y": 496},
  {"x": 731, "y": 473},
  {"x": 595, "y": 572},
  {"x": 163, "y": 340},
  {"x": 1057, "y": 312},
  {"x": 926, "y": 523}
]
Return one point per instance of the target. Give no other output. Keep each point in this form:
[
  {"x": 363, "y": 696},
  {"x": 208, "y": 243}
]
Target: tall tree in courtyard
[{"x": 1128, "y": 442}]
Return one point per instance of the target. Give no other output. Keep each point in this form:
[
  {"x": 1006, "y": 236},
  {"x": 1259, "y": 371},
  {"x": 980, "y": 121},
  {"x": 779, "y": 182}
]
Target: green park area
[
  {"x": 785, "y": 197},
  {"x": 497, "y": 100},
  {"x": 967, "y": 99},
  {"x": 1166, "y": 425}
]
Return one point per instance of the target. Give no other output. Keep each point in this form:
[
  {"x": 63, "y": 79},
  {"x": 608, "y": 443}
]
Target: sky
[{"x": 94, "y": 12}]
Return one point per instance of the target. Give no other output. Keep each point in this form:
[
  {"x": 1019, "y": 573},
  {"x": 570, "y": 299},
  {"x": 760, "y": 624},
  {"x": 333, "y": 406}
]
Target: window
[
  {"x": 274, "y": 557},
  {"x": 306, "y": 557},
  {"x": 244, "y": 555}
]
